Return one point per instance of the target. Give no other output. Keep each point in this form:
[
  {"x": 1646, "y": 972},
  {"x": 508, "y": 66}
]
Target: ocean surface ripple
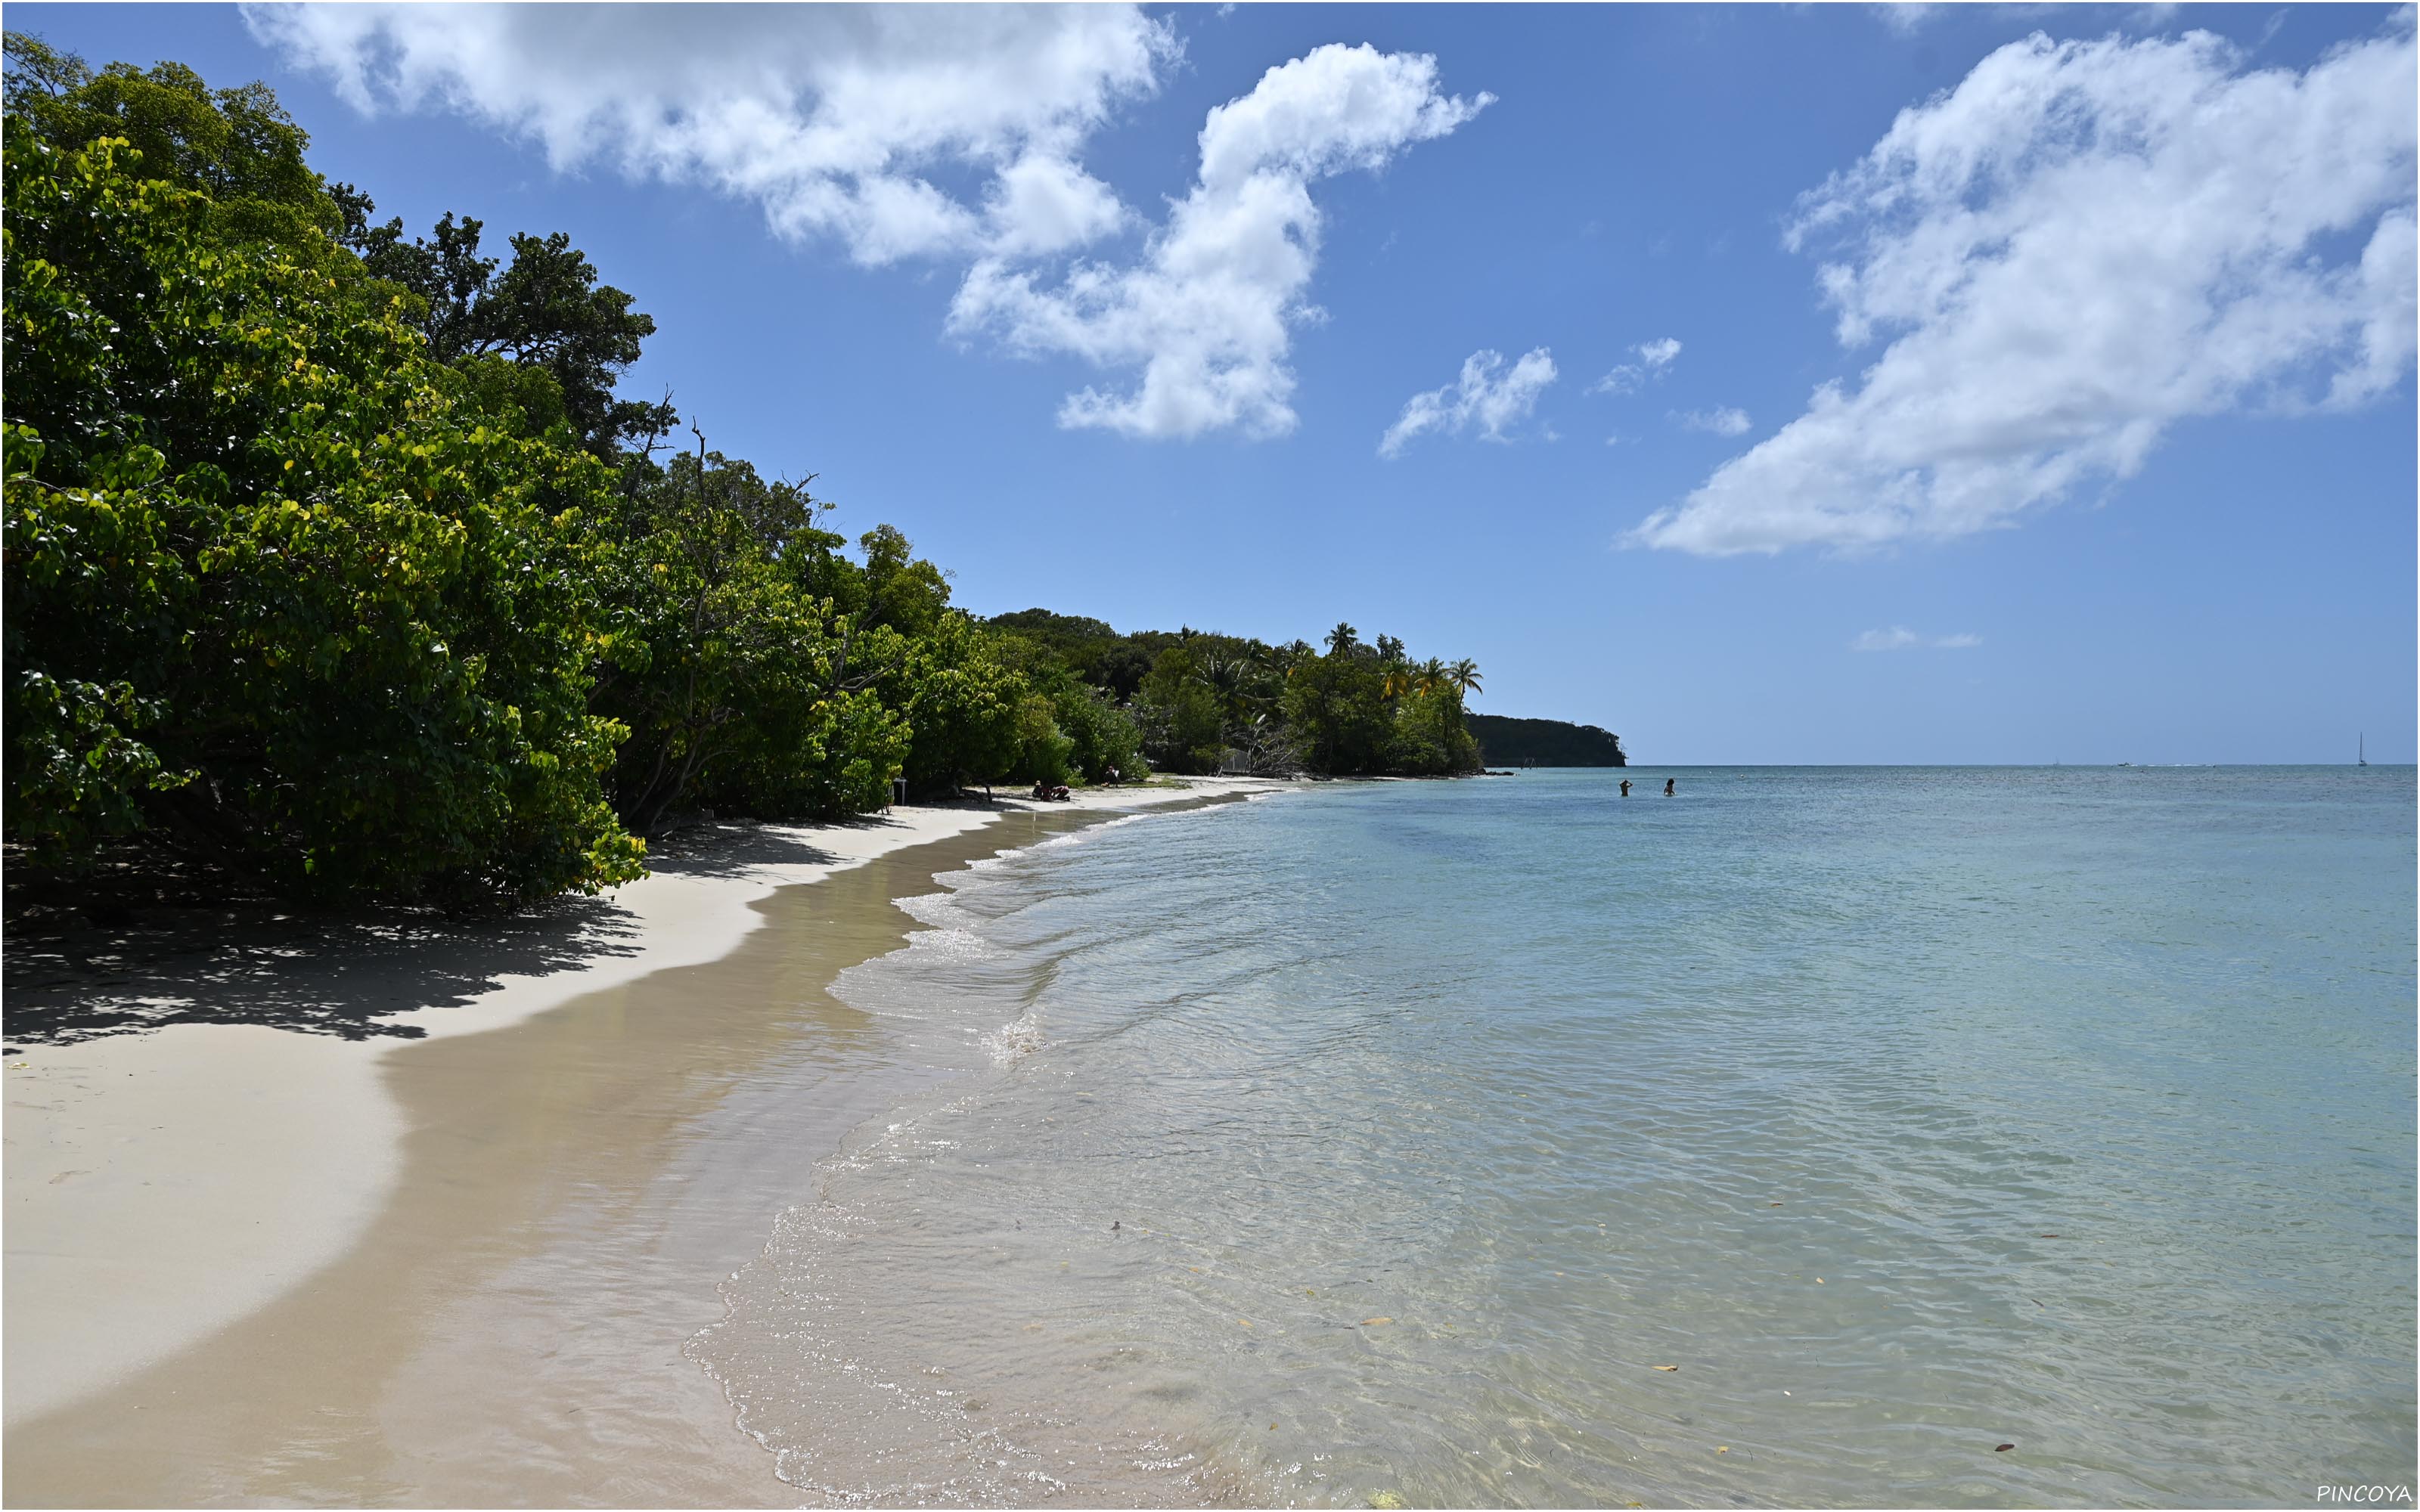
[{"x": 1803, "y": 1139}]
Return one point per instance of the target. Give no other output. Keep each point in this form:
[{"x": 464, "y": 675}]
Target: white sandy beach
[{"x": 162, "y": 1184}]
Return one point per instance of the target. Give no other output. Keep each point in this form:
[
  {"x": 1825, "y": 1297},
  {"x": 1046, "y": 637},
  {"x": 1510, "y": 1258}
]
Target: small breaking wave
[{"x": 1012, "y": 1042}]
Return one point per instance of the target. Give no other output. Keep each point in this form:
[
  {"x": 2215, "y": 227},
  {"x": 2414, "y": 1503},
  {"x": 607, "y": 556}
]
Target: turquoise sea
[{"x": 1386, "y": 1142}]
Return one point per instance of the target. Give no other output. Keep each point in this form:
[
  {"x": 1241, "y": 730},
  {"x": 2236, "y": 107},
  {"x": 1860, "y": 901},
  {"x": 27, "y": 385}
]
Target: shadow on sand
[{"x": 240, "y": 962}]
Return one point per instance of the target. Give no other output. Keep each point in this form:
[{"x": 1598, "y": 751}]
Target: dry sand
[{"x": 384, "y": 1228}]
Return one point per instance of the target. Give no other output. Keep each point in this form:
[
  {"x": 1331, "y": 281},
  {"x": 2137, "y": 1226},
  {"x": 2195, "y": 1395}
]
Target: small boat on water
[{"x": 2364, "y": 749}]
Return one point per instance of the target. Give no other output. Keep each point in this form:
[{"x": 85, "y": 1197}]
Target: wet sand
[{"x": 508, "y": 1329}]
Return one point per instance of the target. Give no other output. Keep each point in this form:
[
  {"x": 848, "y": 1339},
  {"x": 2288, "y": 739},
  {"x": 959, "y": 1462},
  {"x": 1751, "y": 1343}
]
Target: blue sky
[{"x": 1254, "y": 318}]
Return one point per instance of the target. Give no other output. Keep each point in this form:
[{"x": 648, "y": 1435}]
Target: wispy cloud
[
  {"x": 1488, "y": 394},
  {"x": 2082, "y": 244},
  {"x": 1899, "y": 637},
  {"x": 1726, "y": 421},
  {"x": 1905, "y": 17},
  {"x": 1654, "y": 357}
]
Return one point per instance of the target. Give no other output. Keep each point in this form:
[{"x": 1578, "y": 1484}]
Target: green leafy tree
[
  {"x": 236, "y": 147},
  {"x": 1104, "y": 738},
  {"x": 1337, "y": 704},
  {"x": 1044, "y": 754},
  {"x": 277, "y": 595},
  {"x": 901, "y": 589},
  {"x": 1181, "y": 721},
  {"x": 963, "y": 702},
  {"x": 1099, "y": 736},
  {"x": 733, "y": 678},
  {"x": 543, "y": 310}
]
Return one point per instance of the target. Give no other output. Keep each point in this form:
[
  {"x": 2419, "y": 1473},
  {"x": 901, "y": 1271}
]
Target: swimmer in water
[
  {"x": 1625, "y": 787},
  {"x": 1667, "y": 787}
]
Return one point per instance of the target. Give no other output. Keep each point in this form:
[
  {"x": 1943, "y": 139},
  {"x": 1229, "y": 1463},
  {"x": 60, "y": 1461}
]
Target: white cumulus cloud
[
  {"x": 1207, "y": 311},
  {"x": 1654, "y": 357},
  {"x": 1489, "y": 395},
  {"x": 937, "y": 132},
  {"x": 1899, "y": 637},
  {"x": 2080, "y": 245},
  {"x": 1726, "y": 421},
  {"x": 836, "y": 119}
]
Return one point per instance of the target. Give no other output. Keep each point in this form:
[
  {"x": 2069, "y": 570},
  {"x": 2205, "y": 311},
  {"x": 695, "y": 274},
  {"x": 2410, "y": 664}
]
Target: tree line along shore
[{"x": 337, "y": 568}]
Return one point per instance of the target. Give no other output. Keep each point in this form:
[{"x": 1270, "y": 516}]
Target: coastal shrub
[
  {"x": 1183, "y": 727},
  {"x": 1338, "y": 703},
  {"x": 1101, "y": 736},
  {"x": 1428, "y": 739},
  {"x": 276, "y": 595},
  {"x": 1043, "y": 753},
  {"x": 961, "y": 699},
  {"x": 705, "y": 642}
]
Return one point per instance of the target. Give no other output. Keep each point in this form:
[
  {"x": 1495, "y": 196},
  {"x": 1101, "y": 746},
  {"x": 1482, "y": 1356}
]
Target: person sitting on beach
[{"x": 1667, "y": 787}]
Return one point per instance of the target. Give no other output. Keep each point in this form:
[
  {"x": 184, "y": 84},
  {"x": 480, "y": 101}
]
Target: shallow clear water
[{"x": 1908, "y": 1112}]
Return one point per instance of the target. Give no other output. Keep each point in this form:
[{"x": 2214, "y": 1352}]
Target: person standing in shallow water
[
  {"x": 1625, "y": 787},
  {"x": 1667, "y": 787}
]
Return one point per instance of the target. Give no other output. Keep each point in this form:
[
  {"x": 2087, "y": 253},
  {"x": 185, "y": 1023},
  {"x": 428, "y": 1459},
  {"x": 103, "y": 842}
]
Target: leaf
[
  {"x": 1373, "y": 1322},
  {"x": 2004, "y": 1448},
  {"x": 1664, "y": 1368}
]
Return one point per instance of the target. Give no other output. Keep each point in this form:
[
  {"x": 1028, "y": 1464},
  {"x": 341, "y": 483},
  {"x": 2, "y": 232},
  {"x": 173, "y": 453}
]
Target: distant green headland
[{"x": 1507, "y": 742}]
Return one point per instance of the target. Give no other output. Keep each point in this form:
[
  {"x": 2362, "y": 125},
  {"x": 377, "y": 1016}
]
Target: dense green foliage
[
  {"x": 332, "y": 560},
  {"x": 1546, "y": 742},
  {"x": 236, "y": 146},
  {"x": 1208, "y": 703},
  {"x": 273, "y": 590},
  {"x": 543, "y": 329}
]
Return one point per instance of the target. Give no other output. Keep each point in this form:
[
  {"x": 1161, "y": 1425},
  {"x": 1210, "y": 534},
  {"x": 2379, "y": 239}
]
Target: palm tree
[
  {"x": 1230, "y": 677},
  {"x": 1446, "y": 711},
  {"x": 1288, "y": 658},
  {"x": 1463, "y": 676},
  {"x": 1343, "y": 638}
]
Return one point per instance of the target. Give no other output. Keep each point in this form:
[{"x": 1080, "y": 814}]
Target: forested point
[
  {"x": 337, "y": 568},
  {"x": 1509, "y": 742}
]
